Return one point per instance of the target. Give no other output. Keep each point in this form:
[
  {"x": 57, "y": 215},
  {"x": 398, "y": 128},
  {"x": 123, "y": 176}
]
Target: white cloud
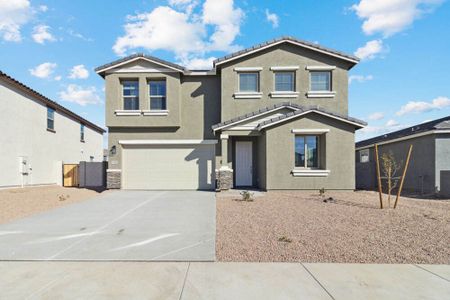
[
  {"x": 199, "y": 63},
  {"x": 82, "y": 96},
  {"x": 13, "y": 15},
  {"x": 41, "y": 34},
  {"x": 359, "y": 78},
  {"x": 376, "y": 116},
  {"x": 43, "y": 70},
  {"x": 79, "y": 72},
  {"x": 272, "y": 18},
  {"x": 391, "y": 16},
  {"x": 370, "y": 50},
  {"x": 422, "y": 106},
  {"x": 392, "y": 123},
  {"x": 177, "y": 28},
  {"x": 57, "y": 78},
  {"x": 43, "y": 8},
  {"x": 79, "y": 35}
]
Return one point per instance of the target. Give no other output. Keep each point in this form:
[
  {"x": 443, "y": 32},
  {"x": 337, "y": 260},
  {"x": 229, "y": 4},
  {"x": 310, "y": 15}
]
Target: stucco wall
[
  {"x": 199, "y": 110},
  {"x": 442, "y": 162},
  {"x": 337, "y": 155},
  {"x": 283, "y": 55},
  {"x": 24, "y": 133}
]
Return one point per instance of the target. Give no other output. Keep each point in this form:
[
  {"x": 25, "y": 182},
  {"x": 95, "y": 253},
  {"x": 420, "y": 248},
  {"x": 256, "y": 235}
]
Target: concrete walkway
[{"x": 197, "y": 280}]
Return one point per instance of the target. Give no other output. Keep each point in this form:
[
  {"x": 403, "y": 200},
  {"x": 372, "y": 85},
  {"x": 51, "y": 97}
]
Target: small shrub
[
  {"x": 247, "y": 196},
  {"x": 284, "y": 239},
  {"x": 61, "y": 198}
]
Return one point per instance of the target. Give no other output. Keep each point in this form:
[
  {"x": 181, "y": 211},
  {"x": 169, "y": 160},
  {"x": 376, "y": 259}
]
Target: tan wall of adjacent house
[
  {"x": 283, "y": 55},
  {"x": 339, "y": 157}
]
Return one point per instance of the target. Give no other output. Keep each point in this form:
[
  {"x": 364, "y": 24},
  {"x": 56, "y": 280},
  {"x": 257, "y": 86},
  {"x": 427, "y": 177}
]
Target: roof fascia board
[
  {"x": 311, "y": 111},
  {"x": 412, "y": 136},
  {"x": 138, "y": 58},
  {"x": 286, "y": 41}
]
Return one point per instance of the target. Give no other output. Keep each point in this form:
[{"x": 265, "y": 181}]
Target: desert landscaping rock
[
  {"x": 22, "y": 202},
  {"x": 349, "y": 229}
]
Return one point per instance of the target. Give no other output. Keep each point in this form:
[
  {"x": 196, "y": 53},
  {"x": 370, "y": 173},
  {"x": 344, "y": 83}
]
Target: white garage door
[{"x": 163, "y": 167}]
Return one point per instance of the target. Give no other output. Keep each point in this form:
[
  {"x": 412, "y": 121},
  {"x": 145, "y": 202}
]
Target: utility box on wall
[{"x": 24, "y": 170}]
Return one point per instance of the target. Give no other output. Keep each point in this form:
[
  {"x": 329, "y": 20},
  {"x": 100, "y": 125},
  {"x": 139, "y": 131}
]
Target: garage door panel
[{"x": 164, "y": 168}]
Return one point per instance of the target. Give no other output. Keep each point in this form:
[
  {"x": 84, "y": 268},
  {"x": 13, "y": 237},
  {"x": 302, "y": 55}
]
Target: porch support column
[{"x": 225, "y": 173}]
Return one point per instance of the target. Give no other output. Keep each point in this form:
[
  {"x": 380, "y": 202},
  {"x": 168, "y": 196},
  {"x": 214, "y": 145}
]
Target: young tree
[{"x": 390, "y": 169}]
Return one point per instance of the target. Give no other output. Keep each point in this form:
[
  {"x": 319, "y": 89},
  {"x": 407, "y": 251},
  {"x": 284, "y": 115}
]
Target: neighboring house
[
  {"x": 274, "y": 116},
  {"x": 429, "y": 167},
  {"x": 38, "y": 135}
]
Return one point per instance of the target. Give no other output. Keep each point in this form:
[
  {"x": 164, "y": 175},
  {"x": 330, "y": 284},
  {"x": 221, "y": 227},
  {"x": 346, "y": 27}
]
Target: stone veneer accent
[
  {"x": 113, "y": 179},
  {"x": 224, "y": 179}
]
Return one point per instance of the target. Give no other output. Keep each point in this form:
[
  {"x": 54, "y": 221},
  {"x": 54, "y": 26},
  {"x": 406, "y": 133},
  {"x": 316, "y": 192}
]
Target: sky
[{"x": 404, "y": 45}]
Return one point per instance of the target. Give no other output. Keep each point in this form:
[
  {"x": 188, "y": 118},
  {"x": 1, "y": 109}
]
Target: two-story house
[{"x": 274, "y": 116}]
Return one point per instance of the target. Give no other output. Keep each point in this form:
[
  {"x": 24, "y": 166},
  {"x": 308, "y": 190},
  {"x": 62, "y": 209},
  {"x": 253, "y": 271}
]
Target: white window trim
[
  {"x": 155, "y": 112},
  {"x": 310, "y": 131},
  {"x": 285, "y": 68},
  {"x": 123, "y": 112},
  {"x": 248, "y": 69},
  {"x": 306, "y": 151},
  {"x": 310, "y": 173},
  {"x": 146, "y": 112},
  {"x": 321, "y": 94},
  {"x": 284, "y": 94},
  {"x": 247, "y": 95},
  {"x": 320, "y": 68}
]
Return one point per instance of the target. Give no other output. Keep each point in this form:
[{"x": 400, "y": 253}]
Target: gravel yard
[
  {"x": 18, "y": 203},
  {"x": 300, "y": 226}
]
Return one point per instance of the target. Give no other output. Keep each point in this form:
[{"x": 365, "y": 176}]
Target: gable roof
[
  {"x": 298, "y": 111},
  {"x": 35, "y": 95},
  {"x": 442, "y": 124},
  {"x": 287, "y": 39},
  {"x": 102, "y": 69}
]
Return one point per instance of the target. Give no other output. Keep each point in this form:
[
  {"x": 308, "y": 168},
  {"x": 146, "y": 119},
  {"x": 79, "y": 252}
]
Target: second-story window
[
  {"x": 50, "y": 118},
  {"x": 130, "y": 94},
  {"x": 249, "y": 82},
  {"x": 157, "y": 94},
  {"x": 81, "y": 132},
  {"x": 321, "y": 81},
  {"x": 285, "y": 82}
]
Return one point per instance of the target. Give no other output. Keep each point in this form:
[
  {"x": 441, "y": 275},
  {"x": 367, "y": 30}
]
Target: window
[
  {"x": 157, "y": 95},
  {"x": 130, "y": 95},
  {"x": 307, "y": 151},
  {"x": 50, "y": 118},
  {"x": 82, "y": 132},
  {"x": 321, "y": 81},
  {"x": 285, "y": 82},
  {"x": 249, "y": 82},
  {"x": 364, "y": 156}
]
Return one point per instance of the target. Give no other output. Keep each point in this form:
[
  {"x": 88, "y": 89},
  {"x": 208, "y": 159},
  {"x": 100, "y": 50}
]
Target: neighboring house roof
[
  {"x": 29, "y": 91},
  {"x": 287, "y": 39},
  {"x": 100, "y": 70},
  {"x": 442, "y": 124},
  {"x": 298, "y": 111}
]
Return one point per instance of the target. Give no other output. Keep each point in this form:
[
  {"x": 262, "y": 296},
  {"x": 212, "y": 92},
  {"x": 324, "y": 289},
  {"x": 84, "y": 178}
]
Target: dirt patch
[
  {"x": 349, "y": 228},
  {"x": 19, "y": 203}
]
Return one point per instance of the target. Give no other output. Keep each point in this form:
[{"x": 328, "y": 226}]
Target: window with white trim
[
  {"x": 284, "y": 81},
  {"x": 50, "y": 118},
  {"x": 157, "y": 89},
  {"x": 364, "y": 156},
  {"x": 130, "y": 94},
  {"x": 249, "y": 82},
  {"x": 320, "y": 81},
  {"x": 307, "y": 151}
]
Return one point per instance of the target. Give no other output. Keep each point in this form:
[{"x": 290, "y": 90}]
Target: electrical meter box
[{"x": 23, "y": 165}]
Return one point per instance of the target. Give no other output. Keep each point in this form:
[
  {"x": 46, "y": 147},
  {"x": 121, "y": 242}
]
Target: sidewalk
[{"x": 183, "y": 280}]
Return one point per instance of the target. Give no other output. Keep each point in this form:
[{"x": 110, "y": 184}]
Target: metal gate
[{"x": 92, "y": 174}]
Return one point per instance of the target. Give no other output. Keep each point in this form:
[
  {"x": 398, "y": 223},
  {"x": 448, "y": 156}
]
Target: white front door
[{"x": 243, "y": 163}]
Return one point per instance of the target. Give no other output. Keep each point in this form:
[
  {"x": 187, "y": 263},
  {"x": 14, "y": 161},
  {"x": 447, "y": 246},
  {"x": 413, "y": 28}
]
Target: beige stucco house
[
  {"x": 39, "y": 135},
  {"x": 274, "y": 116}
]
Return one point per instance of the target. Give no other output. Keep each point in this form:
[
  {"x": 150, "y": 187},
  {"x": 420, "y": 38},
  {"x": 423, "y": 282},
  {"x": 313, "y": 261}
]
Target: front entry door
[{"x": 244, "y": 163}]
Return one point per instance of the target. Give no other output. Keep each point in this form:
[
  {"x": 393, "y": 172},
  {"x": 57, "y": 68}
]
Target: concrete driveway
[{"x": 122, "y": 225}]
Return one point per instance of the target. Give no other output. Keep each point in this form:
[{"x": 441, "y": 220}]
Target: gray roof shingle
[
  {"x": 438, "y": 124},
  {"x": 299, "y": 110},
  {"x": 286, "y": 38}
]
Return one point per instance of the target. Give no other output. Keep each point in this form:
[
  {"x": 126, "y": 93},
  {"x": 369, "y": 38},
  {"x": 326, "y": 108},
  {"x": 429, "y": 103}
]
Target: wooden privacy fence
[{"x": 70, "y": 175}]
